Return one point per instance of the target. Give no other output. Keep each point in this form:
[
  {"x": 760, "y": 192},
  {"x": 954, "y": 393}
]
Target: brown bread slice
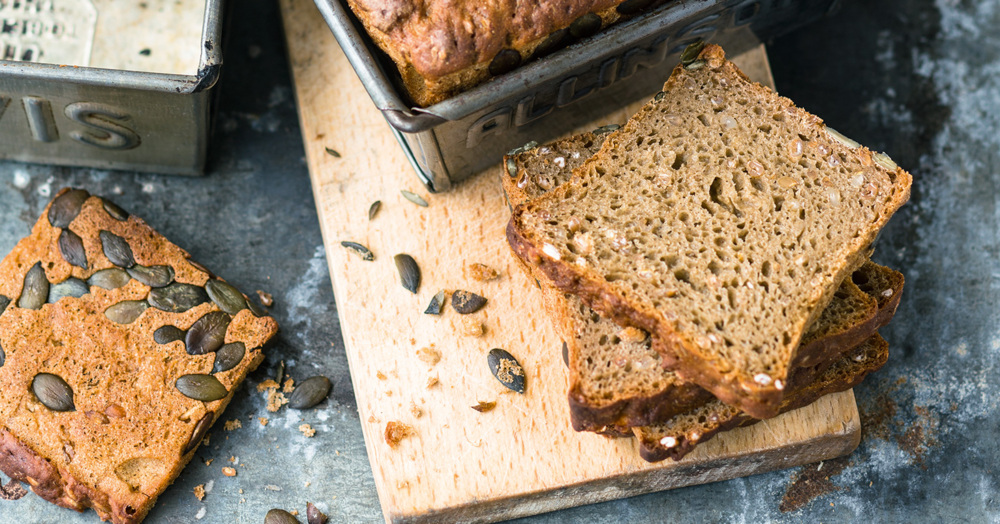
[
  {"x": 680, "y": 435},
  {"x": 721, "y": 219},
  {"x": 617, "y": 381}
]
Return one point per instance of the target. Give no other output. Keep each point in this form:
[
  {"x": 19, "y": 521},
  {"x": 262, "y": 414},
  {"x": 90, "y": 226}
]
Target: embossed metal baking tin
[
  {"x": 109, "y": 84},
  {"x": 543, "y": 99}
]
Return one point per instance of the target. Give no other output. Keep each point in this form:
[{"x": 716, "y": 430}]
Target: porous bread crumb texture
[
  {"x": 680, "y": 435},
  {"x": 395, "y": 432},
  {"x": 721, "y": 217},
  {"x": 122, "y": 445}
]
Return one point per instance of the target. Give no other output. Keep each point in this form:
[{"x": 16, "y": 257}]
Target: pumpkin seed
[
  {"x": 696, "y": 65},
  {"x": 839, "y": 137},
  {"x": 565, "y": 354},
  {"x": 168, "y": 334},
  {"x": 415, "y": 198},
  {"x": 437, "y": 304},
  {"x": 466, "y": 302},
  {"x": 332, "y": 152},
  {"x": 227, "y": 297},
  {"x": 71, "y": 247},
  {"x": 607, "y": 129},
  {"x": 114, "y": 210},
  {"x": 117, "y": 249},
  {"x": 511, "y": 167},
  {"x": 506, "y": 369},
  {"x": 66, "y": 207},
  {"x": 177, "y": 297},
  {"x": 660, "y": 96},
  {"x": 504, "y": 62},
  {"x": 4, "y": 302},
  {"x": 366, "y": 255},
  {"x": 279, "y": 376},
  {"x": 554, "y": 42},
  {"x": 314, "y": 515},
  {"x": 155, "y": 276},
  {"x": 310, "y": 392},
  {"x": 585, "y": 26},
  {"x": 885, "y": 161},
  {"x": 205, "y": 388},
  {"x": 198, "y": 433},
  {"x": 207, "y": 333},
  {"x": 112, "y": 278},
  {"x": 373, "y": 209},
  {"x": 3, "y": 357},
  {"x": 36, "y": 288},
  {"x": 228, "y": 356},
  {"x": 631, "y": 7},
  {"x": 409, "y": 273},
  {"x": 280, "y": 516},
  {"x": 71, "y": 287},
  {"x": 126, "y": 311},
  {"x": 523, "y": 149},
  {"x": 255, "y": 309},
  {"x": 691, "y": 52},
  {"x": 53, "y": 392},
  {"x": 201, "y": 268}
]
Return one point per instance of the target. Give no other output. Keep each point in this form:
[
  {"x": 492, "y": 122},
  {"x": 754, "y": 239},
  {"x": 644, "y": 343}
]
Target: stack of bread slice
[{"x": 707, "y": 264}]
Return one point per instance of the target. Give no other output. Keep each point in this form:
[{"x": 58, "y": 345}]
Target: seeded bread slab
[
  {"x": 721, "y": 218},
  {"x": 442, "y": 48},
  {"x": 616, "y": 378},
  {"x": 679, "y": 436},
  {"x": 91, "y": 408}
]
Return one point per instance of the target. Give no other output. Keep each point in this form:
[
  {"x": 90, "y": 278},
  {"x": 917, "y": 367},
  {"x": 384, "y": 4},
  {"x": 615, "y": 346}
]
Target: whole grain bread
[
  {"x": 721, "y": 219},
  {"x": 127, "y": 430}
]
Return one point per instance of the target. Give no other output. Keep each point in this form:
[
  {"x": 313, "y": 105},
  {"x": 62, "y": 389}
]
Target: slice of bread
[
  {"x": 616, "y": 378},
  {"x": 721, "y": 218},
  {"x": 678, "y": 436}
]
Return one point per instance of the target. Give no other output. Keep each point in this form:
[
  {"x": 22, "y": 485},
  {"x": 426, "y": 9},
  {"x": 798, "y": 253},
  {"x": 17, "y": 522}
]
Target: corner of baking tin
[{"x": 207, "y": 77}]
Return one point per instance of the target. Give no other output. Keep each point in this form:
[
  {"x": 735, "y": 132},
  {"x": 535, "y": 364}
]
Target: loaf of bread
[
  {"x": 442, "y": 48},
  {"x": 720, "y": 219},
  {"x": 118, "y": 353}
]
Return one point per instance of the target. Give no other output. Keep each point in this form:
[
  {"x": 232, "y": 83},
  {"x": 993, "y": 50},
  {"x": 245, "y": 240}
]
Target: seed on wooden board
[
  {"x": 228, "y": 356},
  {"x": 373, "y": 209},
  {"x": 53, "y": 392},
  {"x": 155, "y": 276},
  {"x": 207, "y": 333},
  {"x": 71, "y": 287},
  {"x": 4, "y": 302},
  {"x": 66, "y": 207},
  {"x": 332, "y": 152},
  {"x": 437, "y": 304},
  {"x": 585, "y": 26},
  {"x": 310, "y": 392},
  {"x": 466, "y": 302},
  {"x": 227, "y": 297},
  {"x": 198, "y": 433},
  {"x": 177, "y": 297},
  {"x": 504, "y": 62},
  {"x": 112, "y": 278},
  {"x": 36, "y": 288},
  {"x": 484, "y": 406},
  {"x": 280, "y": 516},
  {"x": 116, "y": 249},
  {"x": 363, "y": 251},
  {"x": 126, "y": 311},
  {"x": 114, "y": 210},
  {"x": 506, "y": 369},
  {"x": 314, "y": 515},
  {"x": 409, "y": 273},
  {"x": 71, "y": 247},
  {"x": 413, "y": 197},
  {"x": 205, "y": 388},
  {"x": 167, "y": 334}
]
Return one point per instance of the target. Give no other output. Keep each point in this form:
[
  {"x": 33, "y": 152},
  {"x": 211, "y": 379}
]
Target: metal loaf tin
[
  {"x": 465, "y": 134},
  {"x": 56, "y": 113}
]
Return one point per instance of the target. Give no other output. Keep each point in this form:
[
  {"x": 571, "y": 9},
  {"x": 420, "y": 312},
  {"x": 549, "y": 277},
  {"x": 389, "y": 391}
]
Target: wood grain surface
[{"x": 522, "y": 457}]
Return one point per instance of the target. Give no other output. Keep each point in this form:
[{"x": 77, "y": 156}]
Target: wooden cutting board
[{"x": 521, "y": 458}]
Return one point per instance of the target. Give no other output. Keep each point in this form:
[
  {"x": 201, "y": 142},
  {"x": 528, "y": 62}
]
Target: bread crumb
[
  {"x": 431, "y": 382},
  {"x": 233, "y": 424},
  {"x": 481, "y": 272},
  {"x": 307, "y": 430},
  {"x": 415, "y": 410},
  {"x": 294, "y": 512},
  {"x": 241, "y": 491},
  {"x": 395, "y": 432},
  {"x": 267, "y": 384},
  {"x": 228, "y": 471},
  {"x": 308, "y": 484},
  {"x": 199, "y": 492},
  {"x": 373, "y": 419},
  {"x": 209, "y": 462},
  {"x": 201, "y": 513},
  {"x": 234, "y": 460},
  {"x": 265, "y": 298},
  {"x": 263, "y": 421},
  {"x": 275, "y": 400},
  {"x": 379, "y": 375},
  {"x": 429, "y": 355},
  {"x": 388, "y": 393},
  {"x": 484, "y": 407},
  {"x": 289, "y": 386},
  {"x": 472, "y": 327},
  {"x": 632, "y": 335}
]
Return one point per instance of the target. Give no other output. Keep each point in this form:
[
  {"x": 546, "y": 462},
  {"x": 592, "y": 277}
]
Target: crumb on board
[
  {"x": 263, "y": 421},
  {"x": 233, "y": 424},
  {"x": 395, "y": 432},
  {"x": 294, "y": 512},
  {"x": 209, "y": 462},
  {"x": 485, "y": 406},
  {"x": 199, "y": 492},
  {"x": 265, "y": 298},
  {"x": 275, "y": 400},
  {"x": 228, "y": 471},
  {"x": 307, "y": 430},
  {"x": 415, "y": 410},
  {"x": 429, "y": 355},
  {"x": 472, "y": 327},
  {"x": 373, "y": 419},
  {"x": 481, "y": 272},
  {"x": 379, "y": 375},
  {"x": 431, "y": 382},
  {"x": 267, "y": 384},
  {"x": 289, "y": 386}
]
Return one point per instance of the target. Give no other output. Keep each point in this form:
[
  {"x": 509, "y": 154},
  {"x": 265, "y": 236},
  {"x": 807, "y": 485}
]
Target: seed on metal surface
[
  {"x": 114, "y": 210},
  {"x": 279, "y": 375},
  {"x": 167, "y": 334},
  {"x": 409, "y": 273},
  {"x": 607, "y": 129},
  {"x": 71, "y": 287},
  {"x": 504, "y": 62},
  {"x": 310, "y": 392},
  {"x": 177, "y": 297},
  {"x": 227, "y": 297},
  {"x": 112, "y": 278},
  {"x": 36, "y": 288},
  {"x": 506, "y": 369},
  {"x": 373, "y": 209},
  {"x": 117, "y": 249},
  {"x": 631, "y": 7},
  {"x": 155, "y": 276},
  {"x": 585, "y": 26},
  {"x": 53, "y": 392},
  {"x": 205, "y": 388},
  {"x": 314, "y": 515},
  {"x": 437, "y": 304},
  {"x": 66, "y": 207},
  {"x": 691, "y": 52},
  {"x": 280, "y": 516},
  {"x": 466, "y": 302},
  {"x": 127, "y": 311},
  {"x": 198, "y": 433},
  {"x": 332, "y": 152},
  {"x": 363, "y": 251},
  {"x": 413, "y": 197},
  {"x": 71, "y": 247},
  {"x": 207, "y": 333},
  {"x": 228, "y": 356}
]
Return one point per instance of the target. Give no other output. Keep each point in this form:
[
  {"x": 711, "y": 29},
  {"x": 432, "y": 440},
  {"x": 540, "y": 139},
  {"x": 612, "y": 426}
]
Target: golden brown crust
[{"x": 122, "y": 444}]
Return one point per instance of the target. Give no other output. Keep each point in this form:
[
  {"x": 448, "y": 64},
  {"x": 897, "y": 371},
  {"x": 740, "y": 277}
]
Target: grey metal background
[{"x": 916, "y": 78}]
